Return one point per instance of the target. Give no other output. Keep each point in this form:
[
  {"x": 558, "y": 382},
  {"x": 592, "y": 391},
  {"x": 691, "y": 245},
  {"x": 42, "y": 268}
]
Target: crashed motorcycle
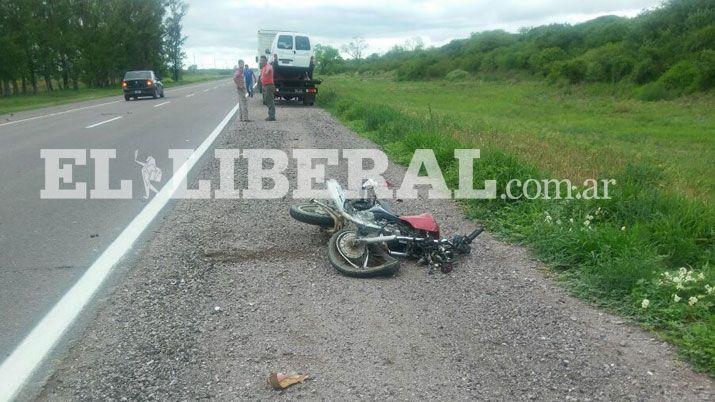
[{"x": 367, "y": 238}]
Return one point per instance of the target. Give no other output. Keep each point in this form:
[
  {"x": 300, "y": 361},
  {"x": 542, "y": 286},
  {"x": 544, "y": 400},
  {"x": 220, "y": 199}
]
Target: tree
[
  {"x": 414, "y": 43},
  {"x": 671, "y": 46},
  {"x": 328, "y": 59},
  {"x": 53, "y": 44},
  {"x": 355, "y": 48},
  {"x": 174, "y": 40}
]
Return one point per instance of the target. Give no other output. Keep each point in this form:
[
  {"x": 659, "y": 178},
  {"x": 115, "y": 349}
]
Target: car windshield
[
  {"x": 137, "y": 75},
  {"x": 302, "y": 43},
  {"x": 285, "y": 42}
]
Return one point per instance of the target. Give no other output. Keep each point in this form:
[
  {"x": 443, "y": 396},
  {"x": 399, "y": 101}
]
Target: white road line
[
  {"x": 162, "y": 104},
  {"x": 176, "y": 89},
  {"x": 190, "y": 95},
  {"x": 18, "y": 367},
  {"x": 206, "y": 90},
  {"x": 57, "y": 113},
  {"x": 103, "y": 122},
  {"x": 185, "y": 87}
]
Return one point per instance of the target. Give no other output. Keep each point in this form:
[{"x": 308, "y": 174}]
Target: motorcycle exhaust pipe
[
  {"x": 376, "y": 239},
  {"x": 398, "y": 254}
]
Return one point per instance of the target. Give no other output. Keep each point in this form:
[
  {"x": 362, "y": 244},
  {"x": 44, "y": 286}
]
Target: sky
[{"x": 222, "y": 31}]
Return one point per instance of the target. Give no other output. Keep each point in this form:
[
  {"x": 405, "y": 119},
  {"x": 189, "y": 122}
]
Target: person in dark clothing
[{"x": 250, "y": 77}]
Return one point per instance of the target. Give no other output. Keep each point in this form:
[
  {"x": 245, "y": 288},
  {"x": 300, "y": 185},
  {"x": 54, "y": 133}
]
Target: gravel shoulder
[{"x": 495, "y": 328}]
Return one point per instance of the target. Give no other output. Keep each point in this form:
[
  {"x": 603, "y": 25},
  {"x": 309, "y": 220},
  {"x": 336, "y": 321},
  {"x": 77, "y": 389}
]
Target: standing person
[
  {"x": 268, "y": 88},
  {"x": 250, "y": 78},
  {"x": 240, "y": 81}
]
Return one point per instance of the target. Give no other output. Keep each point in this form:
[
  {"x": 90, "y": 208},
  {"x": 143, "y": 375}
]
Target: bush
[
  {"x": 572, "y": 70},
  {"x": 411, "y": 70},
  {"x": 471, "y": 62},
  {"x": 438, "y": 67},
  {"x": 645, "y": 71},
  {"x": 655, "y": 91},
  {"x": 686, "y": 76},
  {"x": 705, "y": 63},
  {"x": 702, "y": 39},
  {"x": 608, "y": 63},
  {"x": 457, "y": 75},
  {"x": 541, "y": 62},
  {"x": 681, "y": 77}
]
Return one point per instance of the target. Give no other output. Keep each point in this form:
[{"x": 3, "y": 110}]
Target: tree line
[
  {"x": 47, "y": 45},
  {"x": 668, "y": 51}
]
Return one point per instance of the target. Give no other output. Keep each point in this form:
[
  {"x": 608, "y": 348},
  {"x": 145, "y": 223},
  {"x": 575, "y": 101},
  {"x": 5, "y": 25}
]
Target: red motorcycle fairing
[{"x": 424, "y": 222}]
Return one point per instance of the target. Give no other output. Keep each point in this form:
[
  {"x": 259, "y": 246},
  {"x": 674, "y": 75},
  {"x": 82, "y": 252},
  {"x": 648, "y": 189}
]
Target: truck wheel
[{"x": 127, "y": 98}]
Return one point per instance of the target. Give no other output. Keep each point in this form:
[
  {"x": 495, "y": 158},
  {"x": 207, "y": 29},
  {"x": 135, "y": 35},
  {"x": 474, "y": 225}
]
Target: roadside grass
[
  {"x": 20, "y": 103},
  {"x": 646, "y": 253},
  {"x": 573, "y": 132}
]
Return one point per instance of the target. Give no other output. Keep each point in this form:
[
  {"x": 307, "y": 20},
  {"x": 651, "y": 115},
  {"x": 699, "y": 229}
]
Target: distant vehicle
[
  {"x": 142, "y": 83},
  {"x": 292, "y": 56}
]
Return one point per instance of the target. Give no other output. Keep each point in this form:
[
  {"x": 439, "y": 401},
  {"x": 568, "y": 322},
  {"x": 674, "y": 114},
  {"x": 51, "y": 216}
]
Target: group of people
[{"x": 244, "y": 77}]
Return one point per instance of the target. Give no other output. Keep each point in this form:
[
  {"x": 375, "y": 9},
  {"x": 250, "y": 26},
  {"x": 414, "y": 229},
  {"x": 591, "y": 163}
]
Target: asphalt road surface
[
  {"x": 46, "y": 245},
  {"x": 222, "y": 292}
]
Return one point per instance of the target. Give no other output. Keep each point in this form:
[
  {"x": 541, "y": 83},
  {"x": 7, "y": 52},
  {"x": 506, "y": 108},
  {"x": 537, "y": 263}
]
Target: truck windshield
[
  {"x": 137, "y": 75},
  {"x": 302, "y": 43},
  {"x": 285, "y": 42}
]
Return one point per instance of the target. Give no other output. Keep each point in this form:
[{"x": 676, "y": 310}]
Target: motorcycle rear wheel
[{"x": 380, "y": 263}]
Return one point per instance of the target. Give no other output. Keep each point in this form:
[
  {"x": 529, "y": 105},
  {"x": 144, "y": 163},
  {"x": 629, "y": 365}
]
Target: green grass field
[
  {"x": 20, "y": 103},
  {"x": 575, "y": 132},
  {"x": 647, "y": 253}
]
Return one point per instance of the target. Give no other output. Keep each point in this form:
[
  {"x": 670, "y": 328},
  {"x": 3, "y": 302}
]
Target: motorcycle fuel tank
[{"x": 424, "y": 222}]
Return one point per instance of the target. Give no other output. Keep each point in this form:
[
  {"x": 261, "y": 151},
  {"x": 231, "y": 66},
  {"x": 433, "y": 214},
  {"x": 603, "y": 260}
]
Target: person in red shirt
[{"x": 269, "y": 88}]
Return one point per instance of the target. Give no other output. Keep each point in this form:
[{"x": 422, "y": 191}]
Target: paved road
[{"x": 46, "y": 245}]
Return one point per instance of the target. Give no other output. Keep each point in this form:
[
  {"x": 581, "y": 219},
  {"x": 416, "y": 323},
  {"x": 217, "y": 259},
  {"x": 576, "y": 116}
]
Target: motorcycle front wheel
[
  {"x": 360, "y": 261},
  {"x": 312, "y": 214}
]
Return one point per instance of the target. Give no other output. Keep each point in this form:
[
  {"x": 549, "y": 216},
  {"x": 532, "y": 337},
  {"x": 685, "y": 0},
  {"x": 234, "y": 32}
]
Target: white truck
[{"x": 292, "y": 56}]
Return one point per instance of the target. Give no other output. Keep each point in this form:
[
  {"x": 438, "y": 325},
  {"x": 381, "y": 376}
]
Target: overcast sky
[{"x": 222, "y": 31}]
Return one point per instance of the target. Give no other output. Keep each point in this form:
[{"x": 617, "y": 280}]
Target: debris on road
[{"x": 283, "y": 381}]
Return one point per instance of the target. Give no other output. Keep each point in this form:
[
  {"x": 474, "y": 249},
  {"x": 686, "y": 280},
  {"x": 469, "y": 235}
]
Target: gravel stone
[{"x": 226, "y": 291}]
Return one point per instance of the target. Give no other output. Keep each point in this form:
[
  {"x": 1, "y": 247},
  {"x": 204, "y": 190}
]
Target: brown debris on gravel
[{"x": 495, "y": 328}]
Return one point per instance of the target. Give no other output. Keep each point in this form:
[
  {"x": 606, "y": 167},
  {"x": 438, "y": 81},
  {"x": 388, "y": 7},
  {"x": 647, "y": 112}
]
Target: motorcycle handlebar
[{"x": 473, "y": 235}]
